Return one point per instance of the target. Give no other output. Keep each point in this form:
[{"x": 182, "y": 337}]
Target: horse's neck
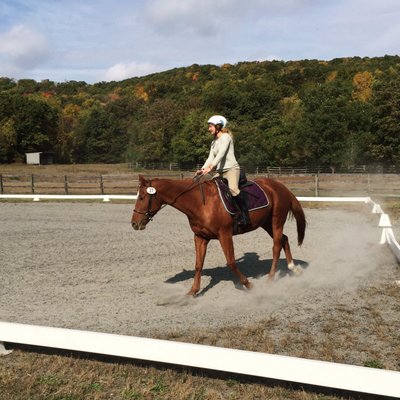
[{"x": 182, "y": 195}]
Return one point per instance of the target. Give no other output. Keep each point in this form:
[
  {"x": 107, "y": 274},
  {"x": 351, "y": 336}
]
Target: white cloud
[
  {"x": 161, "y": 34},
  {"x": 23, "y": 47},
  {"x": 122, "y": 71},
  {"x": 209, "y": 17},
  {"x": 204, "y": 17}
]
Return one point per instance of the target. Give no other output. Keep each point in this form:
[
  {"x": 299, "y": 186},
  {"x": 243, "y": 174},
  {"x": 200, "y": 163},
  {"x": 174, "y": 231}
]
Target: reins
[{"x": 195, "y": 181}]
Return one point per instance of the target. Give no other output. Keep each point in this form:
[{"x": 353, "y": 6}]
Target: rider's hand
[{"x": 204, "y": 171}]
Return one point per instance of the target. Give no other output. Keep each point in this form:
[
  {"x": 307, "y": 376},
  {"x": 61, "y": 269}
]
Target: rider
[{"x": 222, "y": 159}]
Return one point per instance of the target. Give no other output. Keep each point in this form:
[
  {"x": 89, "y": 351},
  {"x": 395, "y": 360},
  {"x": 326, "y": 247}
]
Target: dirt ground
[{"x": 82, "y": 266}]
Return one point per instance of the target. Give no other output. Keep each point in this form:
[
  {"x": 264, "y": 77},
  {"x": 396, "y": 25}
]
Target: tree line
[{"x": 339, "y": 113}]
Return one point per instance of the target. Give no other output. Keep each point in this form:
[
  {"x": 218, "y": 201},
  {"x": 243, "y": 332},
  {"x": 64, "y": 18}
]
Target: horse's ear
[{"x": 142, "y": 180}]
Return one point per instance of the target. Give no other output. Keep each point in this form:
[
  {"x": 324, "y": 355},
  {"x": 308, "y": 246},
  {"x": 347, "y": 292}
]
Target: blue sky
[{"x": 104, "y": 40}]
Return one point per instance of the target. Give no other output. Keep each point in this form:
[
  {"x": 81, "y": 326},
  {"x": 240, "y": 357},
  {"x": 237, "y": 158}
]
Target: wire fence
[
  {"x": 272, "y": 170},
  {"x": 300, "y": 183}
]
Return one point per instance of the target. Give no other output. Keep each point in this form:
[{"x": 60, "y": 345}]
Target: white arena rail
[
  {"x": 38, "y": 197},
  {"x": 291, "y": 369},
  {"x": 283, "y": 368},
  {"x": 387, "y": 235}
]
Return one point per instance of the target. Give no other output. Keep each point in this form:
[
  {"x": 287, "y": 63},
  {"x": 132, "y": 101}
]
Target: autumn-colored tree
[{"x": 341, "y": 112}]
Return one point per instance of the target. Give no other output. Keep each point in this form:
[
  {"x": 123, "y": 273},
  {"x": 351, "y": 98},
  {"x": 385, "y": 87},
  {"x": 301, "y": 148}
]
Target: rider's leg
[
  {"x": 233, "y": 176},
  {"x": 241, "y": 202}
]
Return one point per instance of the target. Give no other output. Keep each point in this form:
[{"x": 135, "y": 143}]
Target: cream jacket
[{"x": 222, "y": 154}]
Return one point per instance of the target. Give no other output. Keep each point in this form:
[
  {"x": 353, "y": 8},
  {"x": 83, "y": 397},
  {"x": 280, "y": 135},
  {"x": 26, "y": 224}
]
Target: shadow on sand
[{"x": 250, "y": 265}]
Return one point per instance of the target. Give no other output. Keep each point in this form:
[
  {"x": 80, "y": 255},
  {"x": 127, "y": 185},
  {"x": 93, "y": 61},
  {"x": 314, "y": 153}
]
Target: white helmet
[{"x": 218, "y": 119}]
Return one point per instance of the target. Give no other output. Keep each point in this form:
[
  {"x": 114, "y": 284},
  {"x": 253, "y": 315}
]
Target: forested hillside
[{"x": 339, "y": 113}]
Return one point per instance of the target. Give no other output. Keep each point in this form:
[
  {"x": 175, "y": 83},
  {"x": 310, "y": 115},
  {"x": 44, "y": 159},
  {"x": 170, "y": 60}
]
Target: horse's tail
[{"x": 301, "y": 222}]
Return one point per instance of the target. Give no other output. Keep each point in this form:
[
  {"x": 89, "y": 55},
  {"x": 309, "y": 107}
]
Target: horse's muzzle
[{"x": 138, "y": 226}]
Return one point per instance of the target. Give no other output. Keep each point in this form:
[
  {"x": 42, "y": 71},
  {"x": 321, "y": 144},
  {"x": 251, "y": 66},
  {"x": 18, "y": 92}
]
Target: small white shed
[{"x": 39, "y": 158}]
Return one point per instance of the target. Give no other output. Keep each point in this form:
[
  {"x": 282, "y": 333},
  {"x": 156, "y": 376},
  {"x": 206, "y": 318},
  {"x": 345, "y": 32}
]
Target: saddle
[{"x": 255, "y": 197}]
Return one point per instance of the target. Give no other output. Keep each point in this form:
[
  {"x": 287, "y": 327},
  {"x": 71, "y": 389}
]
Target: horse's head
[{"x": 147, "y": 204}]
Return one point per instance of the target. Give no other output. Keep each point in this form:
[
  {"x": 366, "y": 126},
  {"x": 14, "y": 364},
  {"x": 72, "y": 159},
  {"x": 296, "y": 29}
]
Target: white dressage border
[
  {"x": 284, "y": 368},
  {"x": 387, "y": 235},
  {"x": 38, "y": 197}
]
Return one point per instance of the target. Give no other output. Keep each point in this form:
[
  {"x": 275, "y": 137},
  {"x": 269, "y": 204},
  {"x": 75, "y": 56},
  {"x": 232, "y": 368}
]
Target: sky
[{"x": 112, "y": 40}]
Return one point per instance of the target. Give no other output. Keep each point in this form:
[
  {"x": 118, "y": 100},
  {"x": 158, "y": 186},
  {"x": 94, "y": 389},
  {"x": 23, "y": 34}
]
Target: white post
[
  {"x": 383, "y": 236},
  {"x": 3, "y": 350},
  {"x": 384, "y": 223}
]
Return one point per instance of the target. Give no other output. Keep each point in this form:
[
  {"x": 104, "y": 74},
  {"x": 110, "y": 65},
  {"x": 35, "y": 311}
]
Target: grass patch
[{"x": 374, "y": 364}]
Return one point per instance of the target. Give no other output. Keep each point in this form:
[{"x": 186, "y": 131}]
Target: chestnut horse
[{"x": 208, "y": 219}]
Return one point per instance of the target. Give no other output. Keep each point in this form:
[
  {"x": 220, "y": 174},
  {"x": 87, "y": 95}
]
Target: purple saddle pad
[{"x": 255, "y": 196}]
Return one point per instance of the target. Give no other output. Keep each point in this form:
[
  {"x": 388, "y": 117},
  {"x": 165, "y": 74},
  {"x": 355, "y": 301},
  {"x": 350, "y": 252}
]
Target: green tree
[
  {"x": 191, "y": 144},
  {"x": 151, "y": 136},
  {"x": 8, "y": 141},
  {"x": 100, "y": 138},
  {"x": 7, "y": 84},
  {"x": 327, "y": 111},
  {"x": 385, "y": 144},
  {"x": 36, "y": 125}
]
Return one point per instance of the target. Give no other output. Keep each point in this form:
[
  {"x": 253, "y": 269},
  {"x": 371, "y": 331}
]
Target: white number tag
[{"x": 151, "y": 190}]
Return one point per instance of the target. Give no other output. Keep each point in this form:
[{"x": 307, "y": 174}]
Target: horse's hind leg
[
  {"x": 227, "y": 247},
  {"x": 201, "y": 249},
  {"x": 275, "y": 230},
  {"x": 286, "y": 248},
  {"x": 290, "y": 263}
]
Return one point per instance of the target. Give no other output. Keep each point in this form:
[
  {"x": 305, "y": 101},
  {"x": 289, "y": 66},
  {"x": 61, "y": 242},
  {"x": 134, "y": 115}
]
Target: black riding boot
[{"x": 240, "y": 201}]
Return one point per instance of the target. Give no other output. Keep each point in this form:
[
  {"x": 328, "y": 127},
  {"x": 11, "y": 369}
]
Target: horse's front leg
[
  {"x": 201, "y": 248},
  {"x": 226, "y": 241}
]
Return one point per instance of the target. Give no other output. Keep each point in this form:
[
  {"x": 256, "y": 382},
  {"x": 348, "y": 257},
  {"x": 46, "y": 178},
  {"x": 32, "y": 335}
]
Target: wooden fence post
[
  {"x": 1, "y": 184},
  {"x": 33, "y": 184},
  {"x": 369, "y": 184},
  {"x": 65, "y": 184},
  {"x": 316, "y": 185},
  {"x": 101, "y": 184}
]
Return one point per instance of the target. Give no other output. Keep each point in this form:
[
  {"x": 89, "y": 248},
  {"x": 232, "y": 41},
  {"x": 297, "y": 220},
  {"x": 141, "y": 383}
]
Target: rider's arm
[{"x": 209, "y": 161}]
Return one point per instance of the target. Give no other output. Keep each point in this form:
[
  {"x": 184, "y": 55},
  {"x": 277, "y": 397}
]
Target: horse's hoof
[
  {"x": 191, "y": 293},
  {"x": 249, "y": 285},
  {"x": 295, "y": 268},
  {"x": 298, "y": 271}
]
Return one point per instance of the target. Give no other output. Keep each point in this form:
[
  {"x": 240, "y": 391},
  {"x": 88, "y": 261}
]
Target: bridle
[{"x": 149, "y": 214}]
